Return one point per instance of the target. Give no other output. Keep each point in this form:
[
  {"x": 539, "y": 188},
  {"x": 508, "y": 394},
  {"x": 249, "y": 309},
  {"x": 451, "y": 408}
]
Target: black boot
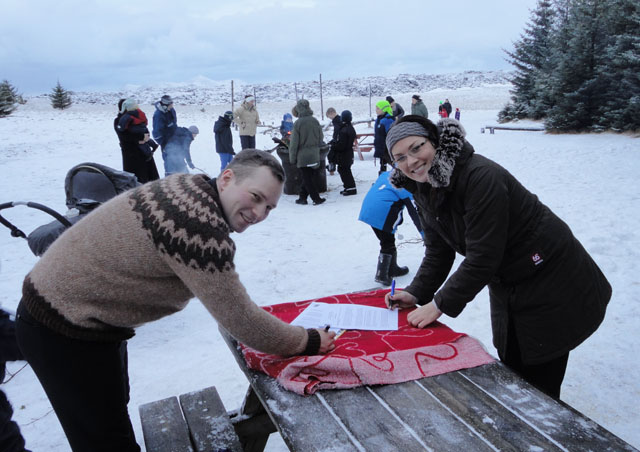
[
  {"x": 382, "y": 272},
  {"x": 394, "y": 270}
]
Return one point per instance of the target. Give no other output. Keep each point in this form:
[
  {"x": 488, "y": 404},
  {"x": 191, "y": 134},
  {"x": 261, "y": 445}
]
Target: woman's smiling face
[{"x": 413, "y": 155}]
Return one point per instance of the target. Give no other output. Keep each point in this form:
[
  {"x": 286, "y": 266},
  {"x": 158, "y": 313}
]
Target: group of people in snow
[
  {"x": 138, "y": 147},
  {"x": 170, "y": 240}
]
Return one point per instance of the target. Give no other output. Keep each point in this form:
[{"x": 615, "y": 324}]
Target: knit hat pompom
[{"x": 129, "y": 105}]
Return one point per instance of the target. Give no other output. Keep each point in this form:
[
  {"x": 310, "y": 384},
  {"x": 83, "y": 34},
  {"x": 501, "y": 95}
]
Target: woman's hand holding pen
[
  {"x": 424, "y": 315},
  {"x": 327, "y": 342},
  {"x": 400, "y": 299}
]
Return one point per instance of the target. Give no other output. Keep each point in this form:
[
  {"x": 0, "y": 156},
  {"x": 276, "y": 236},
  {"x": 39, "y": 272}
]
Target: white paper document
[{"x": 347, "y": 317}]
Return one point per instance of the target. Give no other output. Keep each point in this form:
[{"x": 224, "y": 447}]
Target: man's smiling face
[{"x": 250, "y": 200}]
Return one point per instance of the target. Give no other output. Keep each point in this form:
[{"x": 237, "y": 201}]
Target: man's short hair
[
  {"x": 331, "y": 111},
  {"x": 245, "y": 162}
]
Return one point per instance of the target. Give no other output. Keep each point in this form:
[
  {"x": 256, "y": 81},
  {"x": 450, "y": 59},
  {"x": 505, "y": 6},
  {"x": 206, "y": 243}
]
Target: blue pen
[{"x": 393, "y": 290}]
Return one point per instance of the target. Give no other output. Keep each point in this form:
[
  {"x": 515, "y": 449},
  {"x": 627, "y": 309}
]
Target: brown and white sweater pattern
[{"x": 142, "y": 256}]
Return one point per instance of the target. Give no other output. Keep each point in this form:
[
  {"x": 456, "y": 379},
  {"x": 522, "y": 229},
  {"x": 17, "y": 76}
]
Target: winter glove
[{"x": 191, "y": 165}]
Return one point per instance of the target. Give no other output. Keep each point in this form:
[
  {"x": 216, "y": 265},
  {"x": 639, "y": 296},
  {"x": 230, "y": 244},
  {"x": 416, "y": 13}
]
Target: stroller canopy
[{"x": 90, "y": 184}]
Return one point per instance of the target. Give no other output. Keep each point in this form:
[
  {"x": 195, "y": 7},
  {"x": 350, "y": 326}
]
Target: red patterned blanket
[{"x": 369, "y": 357}]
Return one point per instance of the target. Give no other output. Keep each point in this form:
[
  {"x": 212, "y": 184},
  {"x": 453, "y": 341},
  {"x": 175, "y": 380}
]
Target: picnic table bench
[
  {"x": 492, "y": 129},
  {"x": 195, "y": 422},
  {"x": 486, "y": 408}
]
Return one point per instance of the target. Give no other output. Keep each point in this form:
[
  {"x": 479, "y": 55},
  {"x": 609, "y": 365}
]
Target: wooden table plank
[
  {"x": 369, "y": 422},
  {"x": 324, "y": 432},
  {"x": 426, "y": 416},
  {"x": 559, "y": 421},
  {"x": 494, "y": 422}
]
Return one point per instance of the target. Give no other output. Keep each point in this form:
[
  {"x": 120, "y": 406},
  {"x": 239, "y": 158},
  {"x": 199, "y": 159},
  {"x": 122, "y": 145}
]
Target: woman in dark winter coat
[
  {"x": 547, "y": 294},
  {"x": 343, "y": 148},
  {"x": 131, "y": 140},
  {"x": 224, "y": 139}
]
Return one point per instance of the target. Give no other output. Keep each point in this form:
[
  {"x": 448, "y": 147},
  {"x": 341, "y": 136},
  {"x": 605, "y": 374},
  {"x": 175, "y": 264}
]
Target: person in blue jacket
[
  {"x": 178, "y": 153},
  {"x": 224, "y": 139},
  {"x": 382, "y": 210},
  {"x": 384, "y": 121}
]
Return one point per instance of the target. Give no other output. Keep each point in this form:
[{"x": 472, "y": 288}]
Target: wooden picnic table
[
  {"x": 487, "y": 408},
  {"x": 361, "y": 144}
]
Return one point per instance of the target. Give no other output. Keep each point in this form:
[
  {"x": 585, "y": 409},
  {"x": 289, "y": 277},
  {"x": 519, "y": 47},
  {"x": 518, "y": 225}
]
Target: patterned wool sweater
[{"x": 142, "y": 256}]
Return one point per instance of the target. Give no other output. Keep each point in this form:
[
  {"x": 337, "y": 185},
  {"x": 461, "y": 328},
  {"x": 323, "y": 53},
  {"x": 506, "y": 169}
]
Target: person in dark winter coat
[
  {"x": 382, "y": 210},
  {"x": 165, "y": 123},
  {"x": 418, "y": 107},
  {"x": 304, "y": 150},
  {"x": 336, "y": 121},
  {"x": 178, "y": 153},
  {"x": 447, "y": 106},
  {"x": 457, "y": 114},
  {"x": 547, "y": 294},
  {"x": 224, "y": 139},
  {"x": 343, "y": 148},
  {"x": 396, "y": 108},
  {"x": 11, "y": 439},
  {"x": 384, "y": 121},
  {"x": 135, "y": 144}
]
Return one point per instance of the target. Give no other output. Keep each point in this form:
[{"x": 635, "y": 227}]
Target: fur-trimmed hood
[{"x": 452, "y": 148}]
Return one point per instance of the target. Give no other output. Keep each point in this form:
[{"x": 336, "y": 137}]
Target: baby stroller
[{"x": 86, "y": 186}]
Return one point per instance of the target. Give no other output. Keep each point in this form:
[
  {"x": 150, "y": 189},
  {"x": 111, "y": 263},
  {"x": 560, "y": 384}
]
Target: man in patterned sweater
[{"x": 139, "y": 257}]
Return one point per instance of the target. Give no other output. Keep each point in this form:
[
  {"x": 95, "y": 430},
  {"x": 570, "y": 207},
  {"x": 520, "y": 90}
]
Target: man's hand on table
[{"x": 327, "y": 342}]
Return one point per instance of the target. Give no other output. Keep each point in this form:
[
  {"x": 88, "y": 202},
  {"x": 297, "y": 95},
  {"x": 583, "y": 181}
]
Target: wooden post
[
  {"x": 232, "y": 95},
  {"x": 321, "y": 104},
  {"x": 295, "y": 85},
  {"x": 370, "y": 114}
]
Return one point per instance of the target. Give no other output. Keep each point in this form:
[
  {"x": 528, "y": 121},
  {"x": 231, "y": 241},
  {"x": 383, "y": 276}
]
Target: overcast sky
[{"x": 108, "y": 44}]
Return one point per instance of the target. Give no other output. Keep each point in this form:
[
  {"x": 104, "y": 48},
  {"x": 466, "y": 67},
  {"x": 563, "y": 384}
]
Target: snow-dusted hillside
[{"x": 203, "y": 91}]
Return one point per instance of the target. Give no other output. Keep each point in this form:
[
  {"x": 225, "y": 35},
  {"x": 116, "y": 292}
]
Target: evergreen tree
[
  {"x": 9, "y": 97},
  {"x": 60, "y": 98},
  {"x": 620, "y": 110},
  {"x": 577, "y": 83},
  {"x": 530, "y": 57}
]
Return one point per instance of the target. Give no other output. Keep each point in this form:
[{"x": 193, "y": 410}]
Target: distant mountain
[{"x": 203, "y": 91}]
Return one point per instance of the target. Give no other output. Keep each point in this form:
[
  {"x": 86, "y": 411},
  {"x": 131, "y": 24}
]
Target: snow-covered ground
[{"x": 301, "y": 252}]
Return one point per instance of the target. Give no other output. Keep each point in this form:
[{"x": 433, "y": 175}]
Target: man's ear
[{"x": 226, "y": 178}]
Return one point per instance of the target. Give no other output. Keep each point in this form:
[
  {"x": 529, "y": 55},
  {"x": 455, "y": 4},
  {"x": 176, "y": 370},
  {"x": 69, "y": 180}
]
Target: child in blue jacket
[{"x": 382, "y": 210}]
